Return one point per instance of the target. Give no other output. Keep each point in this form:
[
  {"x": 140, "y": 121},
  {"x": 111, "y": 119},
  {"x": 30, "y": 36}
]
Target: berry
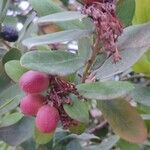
[
  {"x": 8, "y": 33},
  {"x": 34, "y": 82},
  {"x": 30, "y": 104},
  {"x": 47, "y": 119}
]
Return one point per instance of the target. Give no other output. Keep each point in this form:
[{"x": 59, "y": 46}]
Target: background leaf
[
  {"x": 141, "y": 95},
  {"x": 124, "y": 120},
  {"x": 59, "y": 17},
  {"x": 142, "y": 12},
  {"x": 58, "y": 37},
  {"x": 106, "y": 144},
  {"x": 10, "y": 98},
  {"x": 124, "y": 15},
  {"x": 13, "y": 54},
  {"x": 17, "y": 133},
  {"x": 124, "y": 145}
]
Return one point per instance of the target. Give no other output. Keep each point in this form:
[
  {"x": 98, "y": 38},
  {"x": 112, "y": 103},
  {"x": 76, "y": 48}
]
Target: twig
[
  {"x": 91, "y": 59},
  {"x": 6, "y": 44},
  {"x": 100, "y": 126}
]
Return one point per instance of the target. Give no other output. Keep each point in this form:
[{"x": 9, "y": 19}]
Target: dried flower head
[{"x": 107, "y": 26}]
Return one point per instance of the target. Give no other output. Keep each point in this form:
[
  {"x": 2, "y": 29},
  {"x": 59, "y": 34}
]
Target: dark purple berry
[{"x": 9, "y": 33}]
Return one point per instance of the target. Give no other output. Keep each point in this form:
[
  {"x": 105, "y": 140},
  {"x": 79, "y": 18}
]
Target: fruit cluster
[
  {"x": 107, "y": 25},
  {"x": 48, "y": 110}
]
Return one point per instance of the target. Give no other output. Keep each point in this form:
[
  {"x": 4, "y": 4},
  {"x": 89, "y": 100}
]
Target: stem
[
  {"x": 100, "y": 126},
  {"x": 91, "y": 60},
  {"x": 6, "y": 44}
]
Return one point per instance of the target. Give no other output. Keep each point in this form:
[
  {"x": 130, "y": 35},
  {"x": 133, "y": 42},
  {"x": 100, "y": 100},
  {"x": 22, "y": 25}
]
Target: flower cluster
[{"x": 107, "y": 26}]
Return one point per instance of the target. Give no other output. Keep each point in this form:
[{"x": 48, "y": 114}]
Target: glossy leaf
[
  {"x": 124, "y": 120},
  {"x": 55, "y": 63},
  {"x": 104, "y": 90},
  {"x": 59, "y": 17},
  {"x": 74, "y": 110},
  {"x": 42, "y": 138},
  {"x": 58, "y": 37},
  {"x": 14, "y": 70}
]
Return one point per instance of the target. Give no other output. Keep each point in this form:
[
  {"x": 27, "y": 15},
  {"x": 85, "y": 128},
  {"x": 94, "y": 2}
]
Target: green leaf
[
  {"x": 106, "y": 144},
  {"x": 42, "y": 138},
  {"x": 59, "y": 17},
  {"x": 47, "y": 7},
  {"x": 124, "y": 15},
  {"x": 124, "y": 145},
  {"x": 74, "y": 145},
  {"x": 14, "y": 70},
  {"x": 13, "y": 54},
  {"x": 16, "y": 134},
  {"x": 58, "y": 37},
  {"x": 133, "y": 43},
  {"x": 78, "y": 129},
  {"x": 4, "y": 4},
  {"x": 10, "y": 98},
  {"x": 104, "y": 90},
  {"x": 55, "y": 63},
  {"x": 124, "y": 120},
  {"x": 141, "y": 95},
  {"x": 4, "y": 80},
  {"x": 145, "y": 116},
  {"x": 27, "y": 29},
  {"x": 84, "y": 45},
  {"x": 143, "y": 65},
  {"x": 74, "y": 110},
  {"x": 142, "y": 12},
  {"x": 11, "y": 119}
]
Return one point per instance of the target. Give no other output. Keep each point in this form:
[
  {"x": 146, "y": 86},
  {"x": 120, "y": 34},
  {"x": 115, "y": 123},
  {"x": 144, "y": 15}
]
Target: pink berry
[
  {"x": 47, "y": 119},
  {"x": 34, "y": 82},
  {"x": 30, "y": 104}
]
